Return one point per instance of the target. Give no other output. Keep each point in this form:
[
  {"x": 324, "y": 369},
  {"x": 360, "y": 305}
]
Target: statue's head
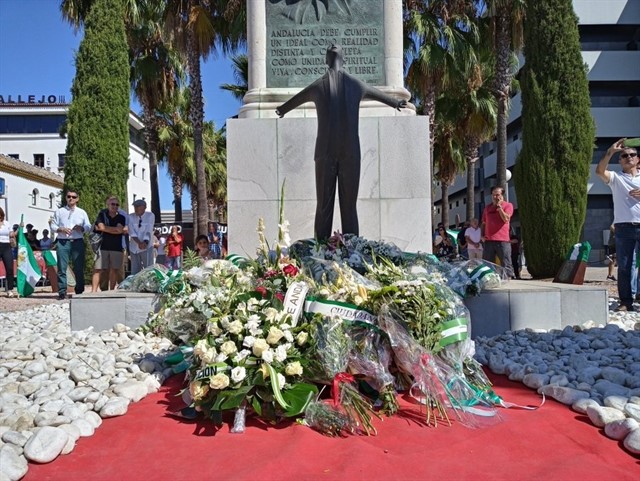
[{"x": 334, "y": 56}]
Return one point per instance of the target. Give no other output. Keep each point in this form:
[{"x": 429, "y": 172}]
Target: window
[
  {"x": 31, "y": 124},
  {"x": 457, "y": 203},
  {"x": 52, "y": 198},
  {"x": 15, "y": 156},
  {"x": 34, "y": 197},
  {"x": 38, "y": 160},
  {"x": 61, "y": 159},
  {"x": 134, "y": 169},
  {"x": 143, "y": 172}
]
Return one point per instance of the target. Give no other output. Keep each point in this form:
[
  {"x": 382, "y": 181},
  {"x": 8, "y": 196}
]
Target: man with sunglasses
[
  {"x": 113, "y": 226},
  {"x": 625, "y": 189},
  {"x": 70, "y": 223},
  {"x": 140, "y": 235}
]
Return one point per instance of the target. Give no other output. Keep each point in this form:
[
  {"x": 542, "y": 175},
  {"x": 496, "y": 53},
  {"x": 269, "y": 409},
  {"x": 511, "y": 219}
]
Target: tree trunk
[
  {"x": 177, "y": 198},
  {"x": 429, "y": 109},
  {"x": 471, "y": 156},
  {"x": 197, "y": 118},
  {"x": 211, "y": 210},
  {"x": 445, "y": 203},
  {"x": 503, "y": 90},
  {"x": 194, "y": 212},
  {"x": 151, "y": 139}
]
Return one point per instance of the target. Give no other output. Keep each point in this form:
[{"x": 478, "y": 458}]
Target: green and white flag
[
  {"x": 50, "y": 258},
  {"x": 28, "y": 271}
]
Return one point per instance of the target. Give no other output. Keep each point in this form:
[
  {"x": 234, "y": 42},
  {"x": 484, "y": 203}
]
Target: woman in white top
[
  {"x": 473, "y": 235},
  {"x": 6, "y": 234}
]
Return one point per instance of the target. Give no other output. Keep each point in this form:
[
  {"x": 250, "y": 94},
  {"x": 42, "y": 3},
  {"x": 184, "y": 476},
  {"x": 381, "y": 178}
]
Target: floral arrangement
[{"x": 262, "y": 336}]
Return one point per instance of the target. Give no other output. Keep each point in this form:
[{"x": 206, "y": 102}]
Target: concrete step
[
  {"x": 103, "y": 310},
  {"x": 536, "y": 305}
]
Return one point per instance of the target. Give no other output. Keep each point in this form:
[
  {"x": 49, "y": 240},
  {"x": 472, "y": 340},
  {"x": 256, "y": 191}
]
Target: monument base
[{"x": 394, "y": 201}]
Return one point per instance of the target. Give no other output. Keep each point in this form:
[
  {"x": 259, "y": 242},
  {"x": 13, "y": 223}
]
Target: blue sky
[{"x": 37, "y": 51}]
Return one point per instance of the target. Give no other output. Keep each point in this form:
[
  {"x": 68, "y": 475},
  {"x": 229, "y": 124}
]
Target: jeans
[
  {"x": 627, "y": 241},
  {"x": 73, "y": 249},
  {"x": 173, "y": 262}
]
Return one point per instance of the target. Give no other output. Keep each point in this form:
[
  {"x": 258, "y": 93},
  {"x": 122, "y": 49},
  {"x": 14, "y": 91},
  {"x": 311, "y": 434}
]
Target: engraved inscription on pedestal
[{"x": 299, "y": 32}]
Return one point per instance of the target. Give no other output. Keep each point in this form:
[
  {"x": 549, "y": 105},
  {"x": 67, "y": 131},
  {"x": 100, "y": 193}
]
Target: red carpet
[{"x": 551, "y": 444}]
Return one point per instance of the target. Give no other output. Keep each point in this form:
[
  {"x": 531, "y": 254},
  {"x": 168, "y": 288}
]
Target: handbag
[{"x": 95, "y": 239}]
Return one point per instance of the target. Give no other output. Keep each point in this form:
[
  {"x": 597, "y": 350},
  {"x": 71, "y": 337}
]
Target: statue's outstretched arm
[
  {"x": 372, "y": 93},
  {"x": 308, "y": 94}
]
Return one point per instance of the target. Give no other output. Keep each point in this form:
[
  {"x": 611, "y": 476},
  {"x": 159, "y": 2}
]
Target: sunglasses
[
  {"x": 72, "y": 197},
  {"x": 140, "y": 223},
  {"x": 632, "y": 154},
  {"x": 113, "y": 203}
]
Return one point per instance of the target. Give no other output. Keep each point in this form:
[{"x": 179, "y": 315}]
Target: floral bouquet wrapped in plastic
[{"x": 331, "y": 351}]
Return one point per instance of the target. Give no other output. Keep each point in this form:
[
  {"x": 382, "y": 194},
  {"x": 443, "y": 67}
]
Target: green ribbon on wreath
[{"x": 171, "y": 282}]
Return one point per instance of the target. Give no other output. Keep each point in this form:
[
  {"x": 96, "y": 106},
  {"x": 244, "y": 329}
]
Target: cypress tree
[
  {"x": 97, "y": 154},
  {"x": 557, "y": 137}
]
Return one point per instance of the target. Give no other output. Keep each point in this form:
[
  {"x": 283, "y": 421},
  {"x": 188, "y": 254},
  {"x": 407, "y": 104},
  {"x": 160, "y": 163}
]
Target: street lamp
[{"x": 506, "y": 190}]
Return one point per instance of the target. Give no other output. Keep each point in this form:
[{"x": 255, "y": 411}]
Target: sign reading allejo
[{"x": 299, "y": 32}]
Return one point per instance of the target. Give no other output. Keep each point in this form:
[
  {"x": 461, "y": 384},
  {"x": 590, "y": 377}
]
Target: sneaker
[
  {"x": 62, "y": 297},
  {"x": 611, "y": 278},
  {"x": 623, "y": 308}
]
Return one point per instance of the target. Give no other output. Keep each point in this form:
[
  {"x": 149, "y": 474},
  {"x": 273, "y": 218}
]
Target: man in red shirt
[{"x": 495, "y": 230}]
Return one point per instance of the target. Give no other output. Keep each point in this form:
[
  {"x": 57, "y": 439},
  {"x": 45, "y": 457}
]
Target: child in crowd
[{"x": 202, "y": 247}]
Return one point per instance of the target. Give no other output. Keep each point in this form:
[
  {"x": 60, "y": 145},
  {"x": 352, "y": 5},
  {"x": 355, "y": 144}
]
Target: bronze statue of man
[{"x": 337, "y": 97}]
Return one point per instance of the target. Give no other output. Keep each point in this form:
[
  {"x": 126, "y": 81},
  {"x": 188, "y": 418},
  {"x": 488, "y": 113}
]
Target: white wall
[{"x": 18, "y": 200}]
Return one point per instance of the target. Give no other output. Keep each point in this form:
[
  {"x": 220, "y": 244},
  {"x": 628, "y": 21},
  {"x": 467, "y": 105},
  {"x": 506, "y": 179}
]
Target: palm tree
[
  {"x": 175, "y": 137},
  {"x": 438, "y": 35},
  {"x": 507, "y": 18},
  {"x": 156, "y": 72},
  {"x": 241, "y": 76},
  {"x": 204, "y": 26},
  {"x": 156, "y": 68}
]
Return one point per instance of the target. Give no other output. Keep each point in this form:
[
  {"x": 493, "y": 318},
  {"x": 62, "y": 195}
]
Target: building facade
[
  {"x": 609, "y": 38},
  {"x": 31, "y": 135}
]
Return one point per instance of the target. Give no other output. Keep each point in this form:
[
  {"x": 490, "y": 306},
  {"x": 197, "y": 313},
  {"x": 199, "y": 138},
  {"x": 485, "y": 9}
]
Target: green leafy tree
[
  {"x": 97, "y": 155},
  {"x": 241, "y": 76},
  {"x": 203, "y": 27},
  {"x": 557, "y": 139}
]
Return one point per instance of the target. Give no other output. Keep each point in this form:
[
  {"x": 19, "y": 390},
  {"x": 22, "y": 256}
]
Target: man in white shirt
[
  {"x": 473, "y": 235},
  {"x": 70, "y": 223},
  {"x": 625, "y": 189},
  {"x": 140, "y": 236}
]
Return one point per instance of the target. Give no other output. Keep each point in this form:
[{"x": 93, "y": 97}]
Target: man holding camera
[{"x": 625, "y": 189}]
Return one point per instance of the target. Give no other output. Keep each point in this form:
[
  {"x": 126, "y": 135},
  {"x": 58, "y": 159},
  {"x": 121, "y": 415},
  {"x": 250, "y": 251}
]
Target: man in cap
[
  {"x": 337, "y": 97},
  {"x": 140, "y": 236}
]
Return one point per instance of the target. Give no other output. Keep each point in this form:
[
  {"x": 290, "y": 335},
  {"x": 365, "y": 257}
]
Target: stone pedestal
[{"x": 394, "y": 202}]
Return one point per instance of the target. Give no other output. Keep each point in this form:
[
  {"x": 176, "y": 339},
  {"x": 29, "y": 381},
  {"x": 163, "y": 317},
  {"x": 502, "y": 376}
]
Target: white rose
[
  {"x": 208, "y": 356},
  {"x": 301, "y": 338},
  {"x": 281, "y": 380},
  {"x": 281, "y": 353},
  {"x": 293, "y": 369},
  {"x": 274, "y": 335},
  {"x": 259, "y": 346},
  {"x": 238, "y": 373},
  {"x": 214, "y": 329},
  {"x": 201, "y": 346},
  {"x": 198, "y": 391},
  {"x": 235, "y": 327},
  {"x": 222, "y": 357},
  {"x": 267, "y": 356},
  {"x": 228, "y": 348},
  {"x": 248, "y": 341},
  {"x": 270, "y": 314},
  {"x": 219, "y": 381},
  {"x": 224, "y": 322},
  {"x": 288, "y": 336},
  {"x": 241, "y": 355}
]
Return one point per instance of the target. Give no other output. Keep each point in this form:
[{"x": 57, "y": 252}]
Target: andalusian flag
[{"x": 28, "y": 271}]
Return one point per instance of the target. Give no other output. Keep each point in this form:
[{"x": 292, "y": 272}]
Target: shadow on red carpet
[{"x": 551, "y": 444}]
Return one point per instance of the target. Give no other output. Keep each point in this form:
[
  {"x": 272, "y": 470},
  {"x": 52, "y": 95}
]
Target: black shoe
[
  {"x": 611, "y": 278},
  {"x": 623, "y": 308},
  {"x": 62, "y": 297}
]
